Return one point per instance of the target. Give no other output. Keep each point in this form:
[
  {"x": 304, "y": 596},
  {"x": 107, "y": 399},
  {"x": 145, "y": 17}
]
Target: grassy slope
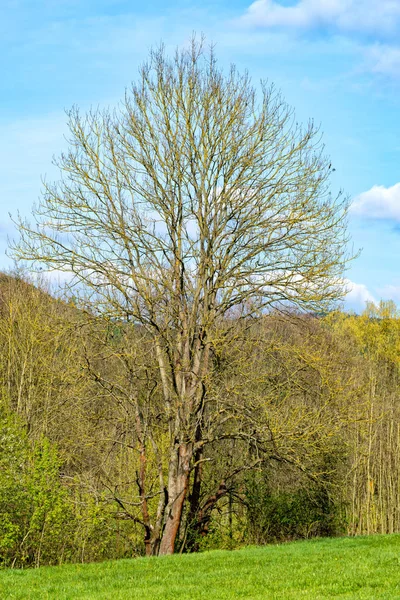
[{"x": 367, "y": 567}]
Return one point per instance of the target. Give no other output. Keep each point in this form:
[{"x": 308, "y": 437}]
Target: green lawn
[{"x": 365, "y": 567}]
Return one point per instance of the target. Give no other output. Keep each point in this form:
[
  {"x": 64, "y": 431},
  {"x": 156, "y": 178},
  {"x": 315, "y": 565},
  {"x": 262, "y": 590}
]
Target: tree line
[{"x": 302, "y": 433}]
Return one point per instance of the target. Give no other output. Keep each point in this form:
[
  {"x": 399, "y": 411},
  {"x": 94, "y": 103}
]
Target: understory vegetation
[{"x": 301, "y": 432}]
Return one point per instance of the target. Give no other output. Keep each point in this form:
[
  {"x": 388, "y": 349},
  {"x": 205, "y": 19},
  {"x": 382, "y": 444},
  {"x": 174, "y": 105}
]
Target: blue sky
[{"x": 337, "y": 61}]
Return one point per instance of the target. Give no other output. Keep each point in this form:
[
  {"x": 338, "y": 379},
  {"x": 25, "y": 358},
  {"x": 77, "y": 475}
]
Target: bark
[
  {"x": 140, "y": 480},
  {"x": 178, "y": 481},
  {"x": 194, "y": 498}
]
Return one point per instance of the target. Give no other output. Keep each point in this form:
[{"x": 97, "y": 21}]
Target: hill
[{"x": 364, "y": 567}]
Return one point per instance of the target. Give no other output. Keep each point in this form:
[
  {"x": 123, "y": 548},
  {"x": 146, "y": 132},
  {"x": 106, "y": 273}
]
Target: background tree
[
  {"x": 196, "y": 203},
  {"x": 372, "y": 482}
]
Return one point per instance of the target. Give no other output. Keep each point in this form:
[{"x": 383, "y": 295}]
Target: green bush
[
  {"x": 289, "y": 514},
  {"x": 42, "y": 521},
  {"x": 35, "y": 515}
]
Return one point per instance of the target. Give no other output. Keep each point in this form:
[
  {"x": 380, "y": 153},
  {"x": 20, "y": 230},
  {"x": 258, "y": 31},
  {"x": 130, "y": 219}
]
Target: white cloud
[
  {"x": 384, "y": 60},
  {"x": 379, "y": 17},
  {"x": 391, "y": 292},
  {"x": 379, "y": 202},
  {"x": 358, "y": 295}
]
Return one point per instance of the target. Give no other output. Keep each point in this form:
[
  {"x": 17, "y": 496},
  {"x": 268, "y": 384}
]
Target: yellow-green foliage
[
  {"x": 376, "y": 331},
  {"x": 42, "y": 520},
  {"x": 372, "y": 486},
  {"x": 35, "y": 515},
  {"x": 302, "y": 423}
]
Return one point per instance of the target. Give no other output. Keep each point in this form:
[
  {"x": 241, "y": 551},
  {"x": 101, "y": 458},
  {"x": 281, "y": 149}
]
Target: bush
[
  {"x": 42, "y": 521},
  {"x": 289, "y": 514},
  {"x": 35, "y": 515}
]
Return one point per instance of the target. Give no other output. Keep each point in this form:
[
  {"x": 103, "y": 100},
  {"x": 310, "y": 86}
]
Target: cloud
[
  {"x": 379, "y": 202},
  {"x": 357, "y": 296},
  {"x": 392, "y": 292},
  {"x": 379, "y": 18},
  {"x": 383, "y": 59}
]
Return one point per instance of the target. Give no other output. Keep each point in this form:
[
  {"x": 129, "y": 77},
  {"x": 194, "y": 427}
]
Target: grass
[{"x": 365, "y": 567}]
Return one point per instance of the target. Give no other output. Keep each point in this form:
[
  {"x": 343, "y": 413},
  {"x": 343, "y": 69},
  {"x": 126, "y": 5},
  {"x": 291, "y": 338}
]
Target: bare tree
[{"x": 196, "y": 201}]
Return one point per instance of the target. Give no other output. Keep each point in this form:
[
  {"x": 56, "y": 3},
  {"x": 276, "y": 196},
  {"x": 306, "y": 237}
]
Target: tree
[
  {"x": 372, "y": 482},
  {"x": 197, "y": 203}
]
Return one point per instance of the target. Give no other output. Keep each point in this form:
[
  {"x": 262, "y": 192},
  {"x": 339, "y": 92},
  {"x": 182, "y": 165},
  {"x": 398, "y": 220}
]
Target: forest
[{"x": 302, "y": 429}]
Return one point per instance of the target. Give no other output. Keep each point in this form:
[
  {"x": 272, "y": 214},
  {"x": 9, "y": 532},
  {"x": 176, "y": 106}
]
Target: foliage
[
  {"x": 301, "y": 424},
  {"x": 372, "y": 483},
  {"x": 35, "y": 516},
  {"x": 40, "y": 520},
  {"x": 279, "y": 515}
]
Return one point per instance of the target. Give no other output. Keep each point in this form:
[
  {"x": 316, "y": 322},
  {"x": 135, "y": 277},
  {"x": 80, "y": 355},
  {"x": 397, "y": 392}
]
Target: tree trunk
[{"x": 178, "y": 481}]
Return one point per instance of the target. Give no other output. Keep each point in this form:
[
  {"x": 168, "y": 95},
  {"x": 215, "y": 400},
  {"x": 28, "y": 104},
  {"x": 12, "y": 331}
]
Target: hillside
[{"x": 364, "y": 567}]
